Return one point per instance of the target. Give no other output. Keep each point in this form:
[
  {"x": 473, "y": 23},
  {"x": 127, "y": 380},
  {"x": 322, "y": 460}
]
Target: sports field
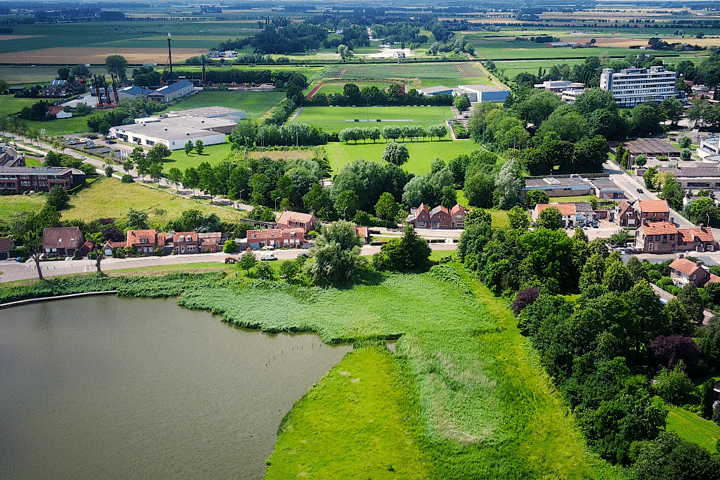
[
  {"x": 427, "y": 74},
  {"x": 421, "y": 153},
  {"x": 255, "y": 104},
  {"x": 334, "y": 119}
]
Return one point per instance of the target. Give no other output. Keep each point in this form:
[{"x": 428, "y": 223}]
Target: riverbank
[{"x": 474, "y": 399}]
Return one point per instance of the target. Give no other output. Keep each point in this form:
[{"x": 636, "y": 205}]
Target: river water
[{"x": 103, "y": 387}]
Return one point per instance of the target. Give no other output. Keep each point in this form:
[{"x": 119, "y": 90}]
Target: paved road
[
  {"x": 631, "y": 185},
  {"x": 12, "y": 271}
]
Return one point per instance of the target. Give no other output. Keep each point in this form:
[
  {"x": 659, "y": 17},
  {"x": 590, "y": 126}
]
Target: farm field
[
  {"x": 255, "y": 104},
  {"x": 10, "y": 105},
  {"x": 689, "y": 426},
  {"x": 213, "y": 154},
  {"x": 125, "y": 35},
  {"x": 421, "y": 153},
  {"x": 109, "y": 198},
  {"x": 96, "y": 55},
  {"x": 466, "y": 388},
  {"x": 334, "y": 119}
]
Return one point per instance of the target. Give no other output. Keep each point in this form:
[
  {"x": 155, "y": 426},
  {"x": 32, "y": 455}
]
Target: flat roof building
[
  {"x": 25, "y": 179},
  {"x": 633, "y": 86},
  {"x": 483, "y": 93},
  {"x": 172, "y": 135},
  {"x": 558, "y": 186}
]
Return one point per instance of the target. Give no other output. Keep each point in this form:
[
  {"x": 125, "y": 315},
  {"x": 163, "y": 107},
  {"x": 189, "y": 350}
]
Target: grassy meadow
[
  {"x": 255, "y": 104},
  {"x": 464, "y": 397},
  {"x": 419, "y": 74},
  {"x": 334, "y": 119},
  {"x": 689, "y": 426},
  {"x": 422, "y": 153},
  {"x": 10, "y": 205},
  {"x": 109, "y": 198}
]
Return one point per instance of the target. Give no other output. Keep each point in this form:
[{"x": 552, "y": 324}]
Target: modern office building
[{"x": 633, "y": 86}]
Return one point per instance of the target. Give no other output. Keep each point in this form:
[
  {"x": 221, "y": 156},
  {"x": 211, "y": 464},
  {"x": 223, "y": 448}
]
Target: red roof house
[
  {"x": 306, "y": 221},
  {"x": 62, "y": 240}
]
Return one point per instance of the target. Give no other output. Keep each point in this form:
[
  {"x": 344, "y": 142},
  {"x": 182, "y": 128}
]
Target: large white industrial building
[
  {"x": 633, "y": 86},
  {"x": 209, "y": 124}
]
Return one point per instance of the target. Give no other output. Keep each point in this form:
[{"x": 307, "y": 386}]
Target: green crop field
[
  {"x": 334, "y": 119},
  {"x": 689, "y": 426},
  {"x": 464, "y": 397},
  {"x": 10, "y": 105},
  {"x": 108, "y": 198},
  {"x": 421, "y": 153},
  {"x": 255, "y": 104}
]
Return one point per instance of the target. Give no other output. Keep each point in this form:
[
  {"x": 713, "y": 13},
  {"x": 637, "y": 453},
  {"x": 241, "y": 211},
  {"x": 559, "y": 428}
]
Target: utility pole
[{"x": 170, "y": 55}]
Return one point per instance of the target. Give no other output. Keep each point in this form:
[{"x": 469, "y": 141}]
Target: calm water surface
[{"x": 103, "y": 387}]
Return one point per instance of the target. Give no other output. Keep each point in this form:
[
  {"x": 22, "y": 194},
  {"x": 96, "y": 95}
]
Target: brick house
[
  {"x": 683, "y": 271},
  {"x": 62, "y": 240},
  {"x": 567, "y": 211},
  {"x": 306, "y": 221},
  {"x": 420, "y": 217},
  {"x": 437, "y": 218},
  {"x": 111, "y": 245},
  {"x": 24, "y": 179},
  {"x": 626, "y": 215},
  {"x": 457, "y": 215},
  {"x": 653, "y": 211},
  {"x": 211, "y": 241},
  {"x": 6, "y": 244},
  {"x": 184, "y": 242},
  {"x": 363, "y": 233},
  {"x": 276, "y": 237},
  {"x": 145, "y": 241},
  {"x": 665, "y": 237}
]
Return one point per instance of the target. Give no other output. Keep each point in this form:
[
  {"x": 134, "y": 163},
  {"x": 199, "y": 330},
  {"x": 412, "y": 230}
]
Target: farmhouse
[
  {"x": 25, "y": 179},
  {"x": 62, "y": 240},
  {"x": 170, "y": 92}
]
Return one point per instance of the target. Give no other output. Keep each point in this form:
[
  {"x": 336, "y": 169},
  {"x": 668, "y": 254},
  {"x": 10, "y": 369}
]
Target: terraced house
[
  {"x": 437, "y": 218},
  {"x": 665, "y": 237}
]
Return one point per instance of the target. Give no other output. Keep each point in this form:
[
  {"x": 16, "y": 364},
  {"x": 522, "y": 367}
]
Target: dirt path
[
  {"x": 314, "y": 91},
  {"x": 296, "y": 114}
]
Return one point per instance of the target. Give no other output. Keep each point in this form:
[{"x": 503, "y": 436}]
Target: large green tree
[
  {"x": 335, "y": 258},
  {"x": 116, "y": 64},
  {"x": 407, "y": 254}
]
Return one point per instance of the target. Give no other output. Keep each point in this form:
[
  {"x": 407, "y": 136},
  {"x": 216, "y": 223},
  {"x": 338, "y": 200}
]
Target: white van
[{"x": 267, "y": 256}]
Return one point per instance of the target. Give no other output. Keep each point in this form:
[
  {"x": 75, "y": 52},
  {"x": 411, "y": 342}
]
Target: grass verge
[{"x": 689, "y": 426}]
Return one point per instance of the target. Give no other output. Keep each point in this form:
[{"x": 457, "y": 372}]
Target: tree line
[
  {"x": 610, "y": 350},
  {"x": 371, "y": 95}
]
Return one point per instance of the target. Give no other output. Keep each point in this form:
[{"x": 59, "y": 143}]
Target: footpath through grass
[{"x": 465, "y": 382}]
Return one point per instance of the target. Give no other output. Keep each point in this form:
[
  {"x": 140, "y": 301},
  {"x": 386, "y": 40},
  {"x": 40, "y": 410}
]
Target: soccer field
[{"x": 335, "y": 119}]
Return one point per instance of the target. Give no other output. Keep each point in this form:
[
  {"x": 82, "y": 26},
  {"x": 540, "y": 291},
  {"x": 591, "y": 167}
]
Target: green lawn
[
  {"x": 255, "y": 104},
  {"x": 10, "y": 105},
  {"x": 368, "y": 427},
  {"x": 465, "y": 390},
  {"x": 14, "y": 204},
  {"x": 213, "y": 154},
  {"x": 693, "y": 428},
  {"x": 422, "y": 153},
  {"x": 334, "y": 119},
  {"x": 108, "y": 197}
]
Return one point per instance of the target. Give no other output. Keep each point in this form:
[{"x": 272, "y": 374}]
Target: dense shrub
[{"x": 524, "y": 298}]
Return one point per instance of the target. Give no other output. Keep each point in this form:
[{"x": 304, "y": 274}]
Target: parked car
[
  {"x": 267, "y": 256},
  {"x": 268, "y": 247},
  {"x": 230, "y": 260}
]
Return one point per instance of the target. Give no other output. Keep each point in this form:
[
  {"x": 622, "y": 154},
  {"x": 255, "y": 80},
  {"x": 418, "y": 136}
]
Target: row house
[
  {"x": 183, "y": 242},
  {"x": 10, "y": 157},
  {"x": 211, "y": 242},
  {"x": 665, "y": 237},
  {"x": 289, "y": 219},
  {"x": 276, "y": 237},
  {"x": 626, "y": 215},
  {"x": 145, "y": 241},
  {"x": 684, "y": 271},
  {"x": 43, "y": 179},
  {"x": 62, "y": 241},
  {"x": 437, "y": 218}
]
